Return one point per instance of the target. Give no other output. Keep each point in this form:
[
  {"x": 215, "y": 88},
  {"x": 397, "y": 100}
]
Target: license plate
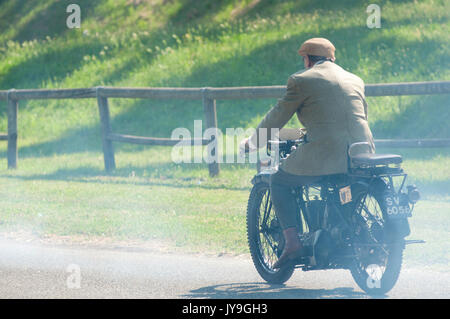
[{"x": 397, "y": 205}]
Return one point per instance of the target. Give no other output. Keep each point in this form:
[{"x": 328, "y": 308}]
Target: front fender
[{"x": 263, "y": 176}]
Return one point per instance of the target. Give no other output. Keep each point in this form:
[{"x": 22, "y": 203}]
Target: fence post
[
  {"x": 209, "y": 108},
  {"x": 108, "y": 150},
  {"x": 13, "y": 107}
]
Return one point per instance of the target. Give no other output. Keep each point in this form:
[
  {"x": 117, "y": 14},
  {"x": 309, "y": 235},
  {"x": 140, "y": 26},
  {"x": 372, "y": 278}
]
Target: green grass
[
  {"x": 430, "y": 222},
  {"x": 60, "y": 187},
  {"x": 149, "y": 198},
  {"x": 70, "y": 195}
]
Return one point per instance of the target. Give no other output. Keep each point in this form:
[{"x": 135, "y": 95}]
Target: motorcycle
[{"x": 356, "y": 221}]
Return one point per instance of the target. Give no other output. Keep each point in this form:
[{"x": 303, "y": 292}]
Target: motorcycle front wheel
[{"x": 265, "y": 236}]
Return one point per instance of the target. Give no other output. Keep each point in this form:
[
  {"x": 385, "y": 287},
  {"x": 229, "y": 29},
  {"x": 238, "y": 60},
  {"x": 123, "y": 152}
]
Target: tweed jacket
[{"x": 330, "y": 103}]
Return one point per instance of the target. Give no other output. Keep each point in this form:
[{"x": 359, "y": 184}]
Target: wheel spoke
[
  {"x": 267, "y": 244},
  {"x": 268, "y": 202}
]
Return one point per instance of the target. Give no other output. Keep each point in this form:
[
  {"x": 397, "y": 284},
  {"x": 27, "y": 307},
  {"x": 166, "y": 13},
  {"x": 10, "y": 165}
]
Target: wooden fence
[{"x": 208, "y": 96}]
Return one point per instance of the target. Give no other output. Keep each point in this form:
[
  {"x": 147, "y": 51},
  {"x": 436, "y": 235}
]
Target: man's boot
[{"x": 292, "y": 248}]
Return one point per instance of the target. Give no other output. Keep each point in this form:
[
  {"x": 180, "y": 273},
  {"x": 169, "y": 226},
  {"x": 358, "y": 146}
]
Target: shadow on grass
[
  {"x": 48, "y": 66},
  {"x": 51, "y": 21},
  {"x": 191, "y": 12},
  {"x": 259, "y": 290},
  {"x": 138, "y": 176},
  {"x": 308, "y": 6}
]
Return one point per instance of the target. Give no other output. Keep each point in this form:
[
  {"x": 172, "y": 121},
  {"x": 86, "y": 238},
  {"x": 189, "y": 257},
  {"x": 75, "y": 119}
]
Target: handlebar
[
  {"x": 285, "y": 147},
  {"x": 288, "y": 139}
]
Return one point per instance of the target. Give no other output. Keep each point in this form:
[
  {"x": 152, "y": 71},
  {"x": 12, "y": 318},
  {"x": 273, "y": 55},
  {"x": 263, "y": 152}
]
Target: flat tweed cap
[{"x": 319, "y": 47}]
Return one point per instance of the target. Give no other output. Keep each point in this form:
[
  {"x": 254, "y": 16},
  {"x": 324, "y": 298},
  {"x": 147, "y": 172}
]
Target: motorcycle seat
[{"x": 370, "y": 159}]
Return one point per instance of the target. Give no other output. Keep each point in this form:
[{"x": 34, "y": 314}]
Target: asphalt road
[{"x": 45, "y": 271}]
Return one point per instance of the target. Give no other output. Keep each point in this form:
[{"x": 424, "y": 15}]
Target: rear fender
[{"x": 397, "y": 228}]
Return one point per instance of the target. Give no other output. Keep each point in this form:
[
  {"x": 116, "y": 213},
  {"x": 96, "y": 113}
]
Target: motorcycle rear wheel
[
  {"x": 377, "y": 267},
  {"x": 265, "y": 236}
]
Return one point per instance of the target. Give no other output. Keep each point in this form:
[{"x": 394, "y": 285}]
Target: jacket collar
[{"x": 320, "y": 62}]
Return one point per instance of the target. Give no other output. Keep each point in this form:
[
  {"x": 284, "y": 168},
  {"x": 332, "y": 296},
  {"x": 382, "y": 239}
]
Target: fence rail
[
  {"x": 155, "y": 140},
  {"x": 208, "y": 96}
]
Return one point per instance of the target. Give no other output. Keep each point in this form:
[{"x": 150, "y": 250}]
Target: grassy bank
[{"x": 226, "y": 43}]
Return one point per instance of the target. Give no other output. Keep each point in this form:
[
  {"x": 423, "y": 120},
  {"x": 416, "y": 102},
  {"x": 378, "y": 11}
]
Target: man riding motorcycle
[{"x": 330, "y": 104}]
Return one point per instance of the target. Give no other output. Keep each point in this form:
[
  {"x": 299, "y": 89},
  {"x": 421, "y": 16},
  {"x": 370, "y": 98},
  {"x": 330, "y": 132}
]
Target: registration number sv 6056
[{"x": 397, "y": 205}]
